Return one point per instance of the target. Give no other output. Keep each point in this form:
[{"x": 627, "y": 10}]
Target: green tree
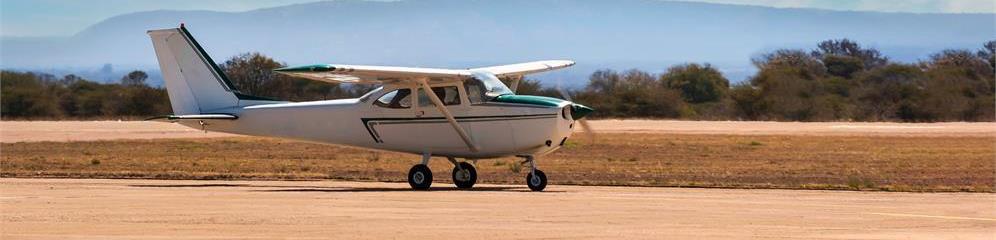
[
  {"x": 599, "y": 92},
  {"x": 842, "y": 66},
  {"x": 787, "y": 94},
  {"x": 697, "y": 83},
  {"x": 134, "y": 78},
  {"x": 988, "y": 52},
  {"x": 91, "y": 99},
  {"x": 805, "y": 66},
  {"x": 252, "y": 73},
  {"x": 631, "y": 94},
  {"x": 748, "y": 102},
  {"x": 869, "y": 58},
  {"x": 793, "y": 85},
  {"x": 889, "y": 93},
  {"x": 23, "y": 95},
  {"x": 959, "y": 86}
]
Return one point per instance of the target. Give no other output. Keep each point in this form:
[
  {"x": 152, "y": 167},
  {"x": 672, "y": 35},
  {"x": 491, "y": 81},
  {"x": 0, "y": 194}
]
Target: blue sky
[{"x": 66, "y": 17}]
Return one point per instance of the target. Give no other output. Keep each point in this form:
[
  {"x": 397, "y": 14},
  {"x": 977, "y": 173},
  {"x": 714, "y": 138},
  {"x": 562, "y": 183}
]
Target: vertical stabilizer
[{"x": 194, "y": 82}]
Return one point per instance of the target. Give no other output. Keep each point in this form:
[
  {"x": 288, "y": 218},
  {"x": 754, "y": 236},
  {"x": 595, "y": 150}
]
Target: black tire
[
  {"x": 465, "y": 181},
  {"x": 420, "y": 177},
  {"x": 537, "y": 184}
]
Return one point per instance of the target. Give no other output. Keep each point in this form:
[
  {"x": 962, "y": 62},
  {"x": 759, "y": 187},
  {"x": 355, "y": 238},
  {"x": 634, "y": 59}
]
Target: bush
[{"x": 697, "y": 83}]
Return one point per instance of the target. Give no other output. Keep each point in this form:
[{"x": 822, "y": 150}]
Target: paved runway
[{"x": 159, "y": 209}]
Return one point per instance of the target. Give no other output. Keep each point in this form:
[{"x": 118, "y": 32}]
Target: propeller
[{"x": 588, "y": 131}]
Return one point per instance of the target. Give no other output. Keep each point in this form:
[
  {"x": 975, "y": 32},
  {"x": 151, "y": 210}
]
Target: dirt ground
[
  {"x": 798, "y": 128},
  {"x": 825, "y": 156},
  {"x": 881, "y": 163},
  {"x": 34, "y": 131},
  {"x": 886, "y": 156},
  {"x": 160, "y": 209},
  {"x": 65, "y": 131}
]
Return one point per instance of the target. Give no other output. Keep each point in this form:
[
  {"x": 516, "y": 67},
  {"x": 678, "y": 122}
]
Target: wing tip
[
  {"x": 307, "y": 68},
  {"x": 567, "y": 63}
]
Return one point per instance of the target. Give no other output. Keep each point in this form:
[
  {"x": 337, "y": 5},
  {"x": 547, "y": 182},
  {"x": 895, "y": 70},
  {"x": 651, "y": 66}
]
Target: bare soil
[
  {"x": 35, "y": 131},
  {"x": 889, "y": 163},
  {"x": 167, "y": 209},
  {"x": 956, "y": 129},
  {"x": 69, "y": 131}
]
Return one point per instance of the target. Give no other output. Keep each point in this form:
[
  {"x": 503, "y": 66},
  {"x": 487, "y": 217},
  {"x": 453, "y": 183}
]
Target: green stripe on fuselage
[
  {"x": 529, "y": 99},
  {"x": 578, "y": 111}
]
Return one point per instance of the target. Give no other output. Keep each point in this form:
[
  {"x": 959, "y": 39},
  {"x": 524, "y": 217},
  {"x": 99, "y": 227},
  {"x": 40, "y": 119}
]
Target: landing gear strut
[
  {"x": 536, "y": 179},
  {"x": 464, "y": 174}
]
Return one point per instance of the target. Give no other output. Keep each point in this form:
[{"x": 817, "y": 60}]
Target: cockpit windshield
[{"x": 484, "y": 87}]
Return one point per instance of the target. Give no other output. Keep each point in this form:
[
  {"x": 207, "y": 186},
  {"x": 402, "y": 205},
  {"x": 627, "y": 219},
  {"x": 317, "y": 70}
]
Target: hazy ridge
[{"x": 645, "y": 34}]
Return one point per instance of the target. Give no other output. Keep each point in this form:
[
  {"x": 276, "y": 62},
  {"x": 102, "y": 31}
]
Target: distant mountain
[{"x": 646, "y": 34}]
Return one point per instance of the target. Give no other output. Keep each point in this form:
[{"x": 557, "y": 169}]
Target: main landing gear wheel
[
  {"x": 536, "y": 182},
  {"x": 420, "y": 177},
  {"x": 464, "y": 175}
]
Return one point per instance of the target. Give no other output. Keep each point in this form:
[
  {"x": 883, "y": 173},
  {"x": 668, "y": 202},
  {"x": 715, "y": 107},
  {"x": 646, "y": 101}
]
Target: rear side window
[
  {"x": 448, "y": 95},
  {"x": 400, "y": 98}
]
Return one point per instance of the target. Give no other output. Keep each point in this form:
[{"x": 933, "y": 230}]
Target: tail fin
[{"x": 194, "y": 82}]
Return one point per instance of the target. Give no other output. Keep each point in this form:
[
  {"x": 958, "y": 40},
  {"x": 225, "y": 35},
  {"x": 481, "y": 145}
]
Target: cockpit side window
[
  {"x": 483, "y": 87},
  {"x": 475, "y": 90},
  {"x": 366, "y": 97},
  {"x": 400, "y": 98}
]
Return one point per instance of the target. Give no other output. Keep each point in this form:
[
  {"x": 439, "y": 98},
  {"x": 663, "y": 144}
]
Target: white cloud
[
  {"x": 915, "y": 6},
  {"x": 986, "y": 6}
]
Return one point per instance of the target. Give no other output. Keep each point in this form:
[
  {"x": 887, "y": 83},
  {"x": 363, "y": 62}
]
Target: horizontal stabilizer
[{"x": 174, "y": 118}]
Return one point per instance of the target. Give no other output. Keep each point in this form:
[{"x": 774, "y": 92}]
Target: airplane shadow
[
  {"x": 188, "y": 185},
  {"x": 382, "y": 189},
  {"x": 337, "y": 189}
]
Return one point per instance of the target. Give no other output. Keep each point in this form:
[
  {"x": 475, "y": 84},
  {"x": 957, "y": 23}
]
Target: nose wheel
[{"x": 536, "y": 179}]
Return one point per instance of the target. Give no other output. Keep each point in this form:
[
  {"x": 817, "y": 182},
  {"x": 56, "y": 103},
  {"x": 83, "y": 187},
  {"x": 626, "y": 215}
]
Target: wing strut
[
  {"x": 515, "y": 82},
  {"x": 446, "y": 112}
]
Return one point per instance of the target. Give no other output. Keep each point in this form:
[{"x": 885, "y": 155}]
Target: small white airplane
[{"x": 453, "y": 113}]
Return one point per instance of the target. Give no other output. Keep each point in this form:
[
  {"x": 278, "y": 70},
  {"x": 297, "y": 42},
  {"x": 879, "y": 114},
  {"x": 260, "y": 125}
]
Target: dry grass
[{"x": 897, "y": 163}]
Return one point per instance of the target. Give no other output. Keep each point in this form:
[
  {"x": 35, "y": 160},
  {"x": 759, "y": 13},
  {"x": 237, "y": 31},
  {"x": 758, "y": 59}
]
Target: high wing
[
  {"x": 519, "y": 69},
  {"x": 338, "y": 73}
]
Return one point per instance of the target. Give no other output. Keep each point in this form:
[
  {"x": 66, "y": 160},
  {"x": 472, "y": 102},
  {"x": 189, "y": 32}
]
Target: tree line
[
  {"x": 28, "y": 95},
  {"x": 838, "y": 80}
]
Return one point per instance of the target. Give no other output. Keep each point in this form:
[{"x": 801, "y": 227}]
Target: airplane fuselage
[{"x": 501, "y": 129}]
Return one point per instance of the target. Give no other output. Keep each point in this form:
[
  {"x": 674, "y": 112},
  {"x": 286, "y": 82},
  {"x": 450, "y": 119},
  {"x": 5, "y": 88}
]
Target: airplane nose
[{"x": 578, "y": 111}]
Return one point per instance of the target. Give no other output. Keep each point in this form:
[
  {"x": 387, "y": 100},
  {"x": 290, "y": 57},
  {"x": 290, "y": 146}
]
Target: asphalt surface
[{"x": 160, "y": 209}]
